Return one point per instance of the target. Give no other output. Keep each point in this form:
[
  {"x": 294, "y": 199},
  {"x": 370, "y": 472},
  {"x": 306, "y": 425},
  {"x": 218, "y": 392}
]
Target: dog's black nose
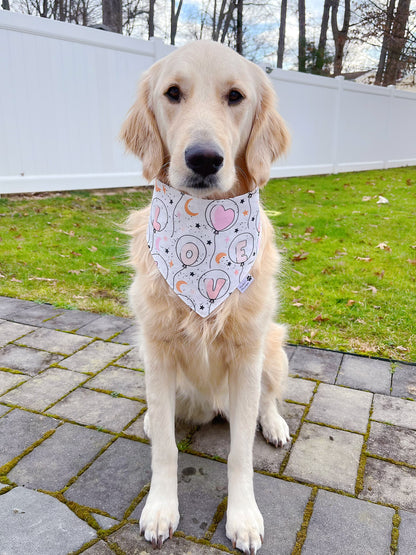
[{"x": 203, "y": 160}]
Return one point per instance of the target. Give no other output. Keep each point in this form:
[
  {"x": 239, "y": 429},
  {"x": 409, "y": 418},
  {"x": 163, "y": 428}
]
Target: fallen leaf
[
  {"x": 311, "y": 192},
  {"x": 382, "y": 200},
  {"x": 401, "y": 348},
  {"x": 15, "y": 279},
  {"x": 320, "y": 318},
  {"x": 295, "y": 288},
  {"x": 2, "y": 276},
  {"x": 297, "y": 303},
  {"x": 92, "y": 248},
  {"x": 380, "y": 274},
  {"x": 41, "y": 279},
  {"x": 300, "y": 256},
  {"x": 411, "y": 261},
  {"x": 366, "y": 199},
  {"x": 360, "y": 321},
  {"x": 350, "y": 302},
  {"x": 316, "y": 239},
  {"x": 75, "y": 253},
  {"x": 413, "y": 246},
  {"x": 372, "y": 289},
  {"x": 363, "y": 259},
  {"x": 383, "y": 247},
  {"x": 310, "y": 229},
  {"x": 76, "y": 272},
  {"x": 100, "y": 268}
]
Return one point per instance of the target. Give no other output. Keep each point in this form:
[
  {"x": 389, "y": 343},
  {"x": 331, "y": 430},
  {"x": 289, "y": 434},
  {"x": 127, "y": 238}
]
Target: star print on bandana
[{"x": 203, "y": 248}]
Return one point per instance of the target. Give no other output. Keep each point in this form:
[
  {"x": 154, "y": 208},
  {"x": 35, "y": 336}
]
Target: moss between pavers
[
  {"x": 6, "y": 468},
  {"x": 395, "y": 533},
  {"x": 301, "y": 535},
  {"x": 216, "y": 519}
]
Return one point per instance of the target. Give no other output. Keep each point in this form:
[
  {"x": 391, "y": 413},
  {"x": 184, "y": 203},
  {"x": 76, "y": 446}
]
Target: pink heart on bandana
[{"x": 221, "y": 218}]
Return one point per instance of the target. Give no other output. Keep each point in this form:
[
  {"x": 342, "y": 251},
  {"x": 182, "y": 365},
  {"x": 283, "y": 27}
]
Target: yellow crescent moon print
[
  {"x": 219, "y": 256},
  {"x": 188, "y": 210},
  {"x": 179, "y": 285}
]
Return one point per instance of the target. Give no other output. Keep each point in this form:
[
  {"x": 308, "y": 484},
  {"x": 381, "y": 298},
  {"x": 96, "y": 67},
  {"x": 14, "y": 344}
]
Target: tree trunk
[
  {"x": 219, "y": 22},
  {"x": 239, "y": 39},
  {"x": 5, "y": 5},
  {"x": 151, "y": 18},
  {"x": 112, "y": 15},
  {"x": 320, "y": 55},
  {"x": 302, "y": 37},
  {"x": 282, "y": 33},
  {"x": 398, "y": 40},
  {"x": 340, "y": 35},
  {"x": 228, "y": 18},
  {"x": 386, "y": 40},
  {"x": 174, "y": 16}
]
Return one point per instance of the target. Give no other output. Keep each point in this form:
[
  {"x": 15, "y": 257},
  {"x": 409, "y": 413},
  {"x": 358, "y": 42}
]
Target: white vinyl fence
[{"x": 65, "y": 90}]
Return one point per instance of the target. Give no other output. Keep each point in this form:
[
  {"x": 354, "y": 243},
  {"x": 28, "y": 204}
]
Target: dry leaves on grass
[
  {"x": 384, "y": 247},
  {"x": 320, "y": 318},
  {"x": 412, "y": 261},
  {"x": 300, "y": 256},
  {"x": 363, "y": 258}
]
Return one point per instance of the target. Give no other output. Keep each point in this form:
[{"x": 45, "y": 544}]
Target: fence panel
[{"x": 66, "y": 89}]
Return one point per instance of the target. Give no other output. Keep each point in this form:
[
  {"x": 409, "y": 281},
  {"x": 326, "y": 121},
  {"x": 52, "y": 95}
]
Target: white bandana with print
[{"x": 204, "y": 248}]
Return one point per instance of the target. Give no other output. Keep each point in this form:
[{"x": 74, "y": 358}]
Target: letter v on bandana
[{"x": 203, "y": 248}]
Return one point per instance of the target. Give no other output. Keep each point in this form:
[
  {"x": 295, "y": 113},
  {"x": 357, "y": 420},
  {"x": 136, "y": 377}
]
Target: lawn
[{"x": 349, "y": 262}]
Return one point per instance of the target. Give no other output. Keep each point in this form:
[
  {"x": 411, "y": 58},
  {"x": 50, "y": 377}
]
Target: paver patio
[{"x": 75, "y": 464}]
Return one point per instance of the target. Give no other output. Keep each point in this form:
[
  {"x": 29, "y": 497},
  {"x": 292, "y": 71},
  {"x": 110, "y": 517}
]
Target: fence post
[
  {"x": 391, "y": 89},
  {"x": 159, "y": 49},
  {"x": 336, "y": 124}
]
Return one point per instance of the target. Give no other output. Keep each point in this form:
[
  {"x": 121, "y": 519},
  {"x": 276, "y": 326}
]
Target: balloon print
[
  {"x": 158, "y": 215},
  {"x": 214, "y": 285},
  {"x": 161, "y": 264},
  {"x": 221, "y": 215},
  {"x": 241, "y": 248},
  {"x": 191, "y": 251}
]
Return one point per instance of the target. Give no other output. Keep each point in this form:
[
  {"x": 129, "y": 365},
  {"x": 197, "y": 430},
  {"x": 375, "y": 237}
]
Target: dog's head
[{"x": 205, "y": 121}]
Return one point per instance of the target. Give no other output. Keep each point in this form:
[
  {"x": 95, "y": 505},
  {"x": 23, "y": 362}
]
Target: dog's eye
[
  {"x": 174, "y": 94},
  {"x": 234, "y": 97}
]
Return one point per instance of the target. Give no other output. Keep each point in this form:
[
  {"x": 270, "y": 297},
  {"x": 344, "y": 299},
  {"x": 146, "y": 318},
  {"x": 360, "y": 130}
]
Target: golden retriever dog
[{"x": 206, "y": 129}]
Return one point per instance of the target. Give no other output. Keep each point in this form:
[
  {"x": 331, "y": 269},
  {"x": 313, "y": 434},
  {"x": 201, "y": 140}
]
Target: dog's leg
[
  {"x": 244, "y": 521},
  {"x": 160, "y": 516},
  {"x": 275, "y": 371}
]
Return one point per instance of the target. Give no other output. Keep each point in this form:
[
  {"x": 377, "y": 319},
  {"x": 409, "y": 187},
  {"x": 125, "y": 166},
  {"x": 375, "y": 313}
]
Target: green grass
[{"x": 348, "y": 277}]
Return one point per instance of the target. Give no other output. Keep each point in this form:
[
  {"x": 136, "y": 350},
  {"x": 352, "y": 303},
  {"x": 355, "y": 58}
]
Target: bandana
[{"x": 204, "y": 248}]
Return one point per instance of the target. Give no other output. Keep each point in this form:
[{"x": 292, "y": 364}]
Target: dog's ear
[
  {"x": 269, "y": 137},
  {"x": 140, "y": 132}
]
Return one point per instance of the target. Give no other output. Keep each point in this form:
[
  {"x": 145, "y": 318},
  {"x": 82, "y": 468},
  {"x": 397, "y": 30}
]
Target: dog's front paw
[
  {"x": 245, "y": 527},
  {"x": 159, "y": 519},
  {"x": 274, "y": 428}
]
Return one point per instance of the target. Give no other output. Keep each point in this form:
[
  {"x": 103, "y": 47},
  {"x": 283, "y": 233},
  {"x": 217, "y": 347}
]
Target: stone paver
[
  {"x": 71, "y": 320},
  {"x": 34, "y": 314},
  {"x": 94, "y": 357},
  {"x": 122, "y": 380},
  {"x": 364, "y": 373},
  {"x": 65, "y": 397},
  {"x": 404, "y": 381},
  {"x": 392, "y": 442},
  {"x": 132, "y": 360},
  {"x": 9, "y": 380},
  {"x": 341, "y": 407},
  {"x": 129, "y": 540},
  {"x": 407, "y": 533},
  {"x": 202, "y": 485},
  {"x": 282, "y": 505},
  {"x": 54, "y": 341},
  {"x": 8, "y": 305},
  {"x": 9, "y": 331},
  {"x": 340, "y": 524},
  {"x": 44, "y": 389},
  {"x": 104, "y": 326},
  {"x": 19, "y": 430},
  {"x": 113, "y": 481},
  {"x": 299, "y": 390},
  {"x": 389, "y": 483},
  {"x": 395, "y": 411},
  {"x": 129, "y": 336},
  {"x": 28, "y": 361},
  {"x": 326, "y": 457},
  {"x": 98, "y": 409},
  {"x": 316, "y": 364},
  {"x": 32, "y": 522},
  {"x": 54, "y": 462}
]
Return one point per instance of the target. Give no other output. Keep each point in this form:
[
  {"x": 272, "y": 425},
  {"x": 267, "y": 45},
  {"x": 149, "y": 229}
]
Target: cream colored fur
[{"x": 232, "y": 362}]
